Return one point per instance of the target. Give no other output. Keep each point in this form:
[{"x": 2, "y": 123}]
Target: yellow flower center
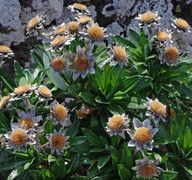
[
  {"x": 95, "y": 32},
  {"x": 4, "y": 48},
  {"x": 79, "y": 6},
  {"x": 80, "y": 63},
  {"x": 58, "y": 141},
  {"x": 58, "y": 40},
  {"x": 33, "y": 22},
  {"x": 80, "y": 114},
  {"x": 60, "y": 29},
  {"x": 147, "y": 171},
  {"x": 45, "y": 91},
  {"x": 21, "y": 89},
  {"x": 142, "y": 134},
  {"x": 84, "y": 19},
  {"x": 58, "y": 64},
  {"x": 60, "y": 112},
  {"x": 158, "y": 108},
  {"x": 18, "y": 137},
  {"x": 3, "y": 101},
  {"x": 120, "y": 53},
  {"x": 172, "y": 53},
  {"x": 73, "y": 26},
  {"x": 116, "y": 122},
  {"x": 147, "y": 16},
  {"x": 182, "y": 23},
  {"x": 162, "y": 35},
  {"x": 26, "y": 121}
]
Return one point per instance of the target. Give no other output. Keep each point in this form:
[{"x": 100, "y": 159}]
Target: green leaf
[
  {"x": 28, "y": 75},
  {"x": 73, "y": 129},
  {"x": 38, "y": 59},
  {"x": 36, "y": 174},
  {"x": 88, "y": 98},
  {"x": 4, "y": 122},
  {"x": 124, "y": 173},
  {"x": 134, "y": 36},
  {"x": 18, "y": 71},
  {"x": 135, "y": 103},
  {"x": 187, "y": 140},
  {"x": 168, "y": 175},
  {"x": 73, "y": 165},
  {"x": 103, "y": 160},
  {"x": 81, "y": 149},
  {"x": 47, "y": 175},
  {"x": 126, "y": 154},
  {"x": 59, "y": 169},
  {"x": 51, "y": 158},
  {"x": 77, "y": 140},
  {"x": 182, "y": 88},
  {"x": 16, "y": 172}
]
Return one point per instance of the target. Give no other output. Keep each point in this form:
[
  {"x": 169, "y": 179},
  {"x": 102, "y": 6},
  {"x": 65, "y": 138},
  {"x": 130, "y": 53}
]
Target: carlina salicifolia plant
[{"x": 91, "y": 110}]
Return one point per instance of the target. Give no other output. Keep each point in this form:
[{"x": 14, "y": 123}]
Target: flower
[
  {"x": 4, "y": 101},
  {"x": 5, "y": 52},
  {"x": 117, "y": 125},
  {"x": 29, "y": 120},
  {"x": 73, "y": 27},
  {"x": 142, "y": 135},
  {"x": 59, "y": 114},
  {"x": 163, "y": 35},
  {"x": 146, "y": 168},
  {"x": 79, "y": 8},
  {"x": 82, "y": 62},
  {"x": 35, "y": 25},
  {"x": 43, "y": 93},
  {"x": 170, "y": 55},
  {"x": 84, "y": 20},
  {"x": 148, "y": 19},
  {"x": 155, "y": 110},
  {"x": 58, "y": 63},
  {"x": 25, "y": 91},
  {"x": 57, "y": 141},
  {"x": 181, "y": 25},
  {"x": 19, "y": 138}
]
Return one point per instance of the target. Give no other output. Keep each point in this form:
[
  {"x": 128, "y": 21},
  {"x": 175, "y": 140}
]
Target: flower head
[
  {"x": 57, "y": 141},
  {"x": 155, "y": 110},
  {"x": 79, "y": 8},
  {"x": 4, "y": 101},
  {"x": 84, "y": 20},
  {"x": 117, "y": 125},
  {"x": 73, "y": 27},
  {"x": 59, "y": 63},
  {"x": 146, "y": 168},
  {"x": 5, "y": 52},
  {"x": 142, "y": 135},
  {"x": 181, "y": 25},
  {"x": 43, "y": 93}
]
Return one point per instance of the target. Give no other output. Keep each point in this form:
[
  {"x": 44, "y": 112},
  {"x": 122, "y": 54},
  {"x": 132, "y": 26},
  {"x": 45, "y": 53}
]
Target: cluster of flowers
[{"x": 27, "y": 130}]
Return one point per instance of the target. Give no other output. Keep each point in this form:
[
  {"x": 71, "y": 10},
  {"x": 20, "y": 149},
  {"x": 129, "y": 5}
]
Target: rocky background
[{"x": 115, "y": 15}]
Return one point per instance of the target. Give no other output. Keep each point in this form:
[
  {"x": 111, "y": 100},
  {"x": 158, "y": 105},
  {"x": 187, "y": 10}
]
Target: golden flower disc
[
  {"x": 21, "y": 89},
  {"x": 3, "y": 101},
  {"x": 80, "y": 63},
  {"x": 58, "y": 40},
  {"x": 147, "y": 16},
  {"x": 58, "y": 141},
  {"x": 73, "y": 26},
  {"x": 116, "y": 122},
  {"x": 60, "y": 29},
  {"x": 26, "y": 121},
  {"x": 147, "y": 171},
  {"x": 18, "y": 137},
  {"x": 80, "y": 114},
  {"x": 4, "y": 48},
  {"x": 142, "y": 134},
  {"x": 158, "y": 108},
  {"x": 182, "y": 23},
  {"x": 79, "y": 6},
  {"x": 172, "y": 53},
  {"x": 58, "y": 64},
  {"x": 95, "y": 32},
  {"x": 120, "y": 53},
  {"x": 60, "y": 112},
  {"x": 161, "y": 35},
  {"x": 45, "y": 91},
  {"x": 84, "y": 19},
  {"x": 91, "y": 21},
  {"x": 33, "y": 22}
]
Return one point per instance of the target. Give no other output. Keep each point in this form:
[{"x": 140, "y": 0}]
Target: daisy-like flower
[
  {"x": 29, "y": 120},
  {"x": 73, "y": 27},
  {"x": 23, "y": 91},
  {"x": 169, "y": 55},
  {"x": 35, "y": 25},
  {"x": 181, "y": 25},
  {"x": 43, "y": 93},
  {"x": 142, "y": 135},
  {"x": 57, "y": 141},
  {"x": 59, "y": 63},
  {"x": 5, "y": 52},
  {"x": 79, "y": 8},
  {"x": 163, "y": 35},
  {"x": 148, "y": 19},
  {"x": 146, "y": 168},
  {"x": 117, "y": 125},
  {"x": 19, "y": 138},
  {"x": 84, "y": 111},
  {"x": 94, "y": 34},
  {"x": 119, "y": 55},
  {"x": 82, "y": 62},
  {"x": 4, "y": 101},
  {"x": 60, "y": 30},
  {"x": 59, "y": 114},
  {"x": 84, "y": 20},
  {"x": 155, "y": 110}
]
